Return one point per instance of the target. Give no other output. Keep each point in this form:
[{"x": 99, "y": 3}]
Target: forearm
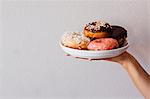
[{"x": 139, "y": 76}]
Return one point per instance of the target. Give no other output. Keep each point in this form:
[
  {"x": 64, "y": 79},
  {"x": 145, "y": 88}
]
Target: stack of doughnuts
[{"x": 97, "y": 35}]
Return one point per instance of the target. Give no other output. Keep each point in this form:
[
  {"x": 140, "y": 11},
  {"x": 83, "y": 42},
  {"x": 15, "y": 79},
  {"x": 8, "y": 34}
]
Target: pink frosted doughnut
[{"x": 103, "y": 44}]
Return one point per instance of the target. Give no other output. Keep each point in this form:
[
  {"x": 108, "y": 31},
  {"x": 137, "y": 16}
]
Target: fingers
[
  {"x": 67, "y": 54},
  {"x": 89, "y": 59},
  {"x": 108, "y": 59}
]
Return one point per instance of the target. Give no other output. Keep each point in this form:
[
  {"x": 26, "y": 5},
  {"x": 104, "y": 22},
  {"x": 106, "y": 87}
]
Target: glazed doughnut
[
  {"x": 103, "y": 44},
  {"x": 97, "y": 29},
  {"x": 75, "y": 40},
  {"x": 119, "y": 33}
]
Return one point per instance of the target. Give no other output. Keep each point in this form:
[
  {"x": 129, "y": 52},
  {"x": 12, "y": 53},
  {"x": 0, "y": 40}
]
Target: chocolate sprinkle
[{"x": 98, "y": 26}]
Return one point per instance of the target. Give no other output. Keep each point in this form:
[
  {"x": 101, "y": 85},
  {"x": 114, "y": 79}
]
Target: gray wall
[{"x": 34, "y": 67}]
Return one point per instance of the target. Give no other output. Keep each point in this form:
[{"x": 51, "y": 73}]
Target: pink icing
[{"x": 103, "y": 44}]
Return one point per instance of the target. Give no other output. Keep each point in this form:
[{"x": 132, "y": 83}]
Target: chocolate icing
[
  {"x": 118, "y": 32},
  {"x": 103, "y": 27}
]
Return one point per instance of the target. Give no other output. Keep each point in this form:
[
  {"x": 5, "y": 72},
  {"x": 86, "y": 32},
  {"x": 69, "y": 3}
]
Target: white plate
[{"x": 94, "y": 54}]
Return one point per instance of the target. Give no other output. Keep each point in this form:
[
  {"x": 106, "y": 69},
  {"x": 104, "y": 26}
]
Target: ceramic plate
[{"x": 94, "y": 54}]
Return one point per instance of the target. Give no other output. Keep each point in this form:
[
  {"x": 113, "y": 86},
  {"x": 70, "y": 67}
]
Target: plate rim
[{"x": 92, "y": 51}]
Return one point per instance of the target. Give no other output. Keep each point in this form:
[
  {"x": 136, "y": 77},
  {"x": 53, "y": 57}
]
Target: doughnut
[
  {"x": 75, "y": 40},
  {"x": 119, "y": 33},
  {"x": 97, "y": 29},
  {"x": 103, "y": 44}
]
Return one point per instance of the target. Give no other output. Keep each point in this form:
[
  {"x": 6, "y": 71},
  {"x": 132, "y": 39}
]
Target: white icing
[
  {"x": 76, "y": 36},
  {"x": 97, "y": 26}
]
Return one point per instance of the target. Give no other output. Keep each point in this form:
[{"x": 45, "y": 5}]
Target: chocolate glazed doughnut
[
  {"x": 119, "y": 33},
  {"x": 97, "y": 29}
]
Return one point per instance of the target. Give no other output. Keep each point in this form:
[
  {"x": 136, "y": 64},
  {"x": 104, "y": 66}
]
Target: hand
[
  {"x": 125, "y": 59},
  {"x": 139, "y": 76},
  {"x": 122, "y": 59}
]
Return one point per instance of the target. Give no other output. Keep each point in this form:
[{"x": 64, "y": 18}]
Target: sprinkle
[
  {"x": 76, "y": 36},
  {"x": 97, "y": 26}
]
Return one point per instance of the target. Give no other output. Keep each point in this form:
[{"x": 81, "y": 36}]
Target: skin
[{"x": 139, "y": 76}]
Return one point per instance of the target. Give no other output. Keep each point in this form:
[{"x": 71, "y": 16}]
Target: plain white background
[{"x": 34, "y": 67}]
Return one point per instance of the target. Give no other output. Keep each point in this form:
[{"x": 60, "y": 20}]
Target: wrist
[
  {"x": 130, "y": 61},
  {"x": 125, "y": 64}
]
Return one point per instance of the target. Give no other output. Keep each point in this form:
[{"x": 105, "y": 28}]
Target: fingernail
[
  {"x": 67, "y": 54},
  {"x": 89, "y": 59},
  {"x": 108, "y": 59}
]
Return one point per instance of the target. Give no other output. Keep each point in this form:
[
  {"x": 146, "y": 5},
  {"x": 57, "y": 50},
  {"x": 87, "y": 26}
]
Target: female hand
[
  {"x": 138, "y": 75},
  {"x": 122, "y": 59}
]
